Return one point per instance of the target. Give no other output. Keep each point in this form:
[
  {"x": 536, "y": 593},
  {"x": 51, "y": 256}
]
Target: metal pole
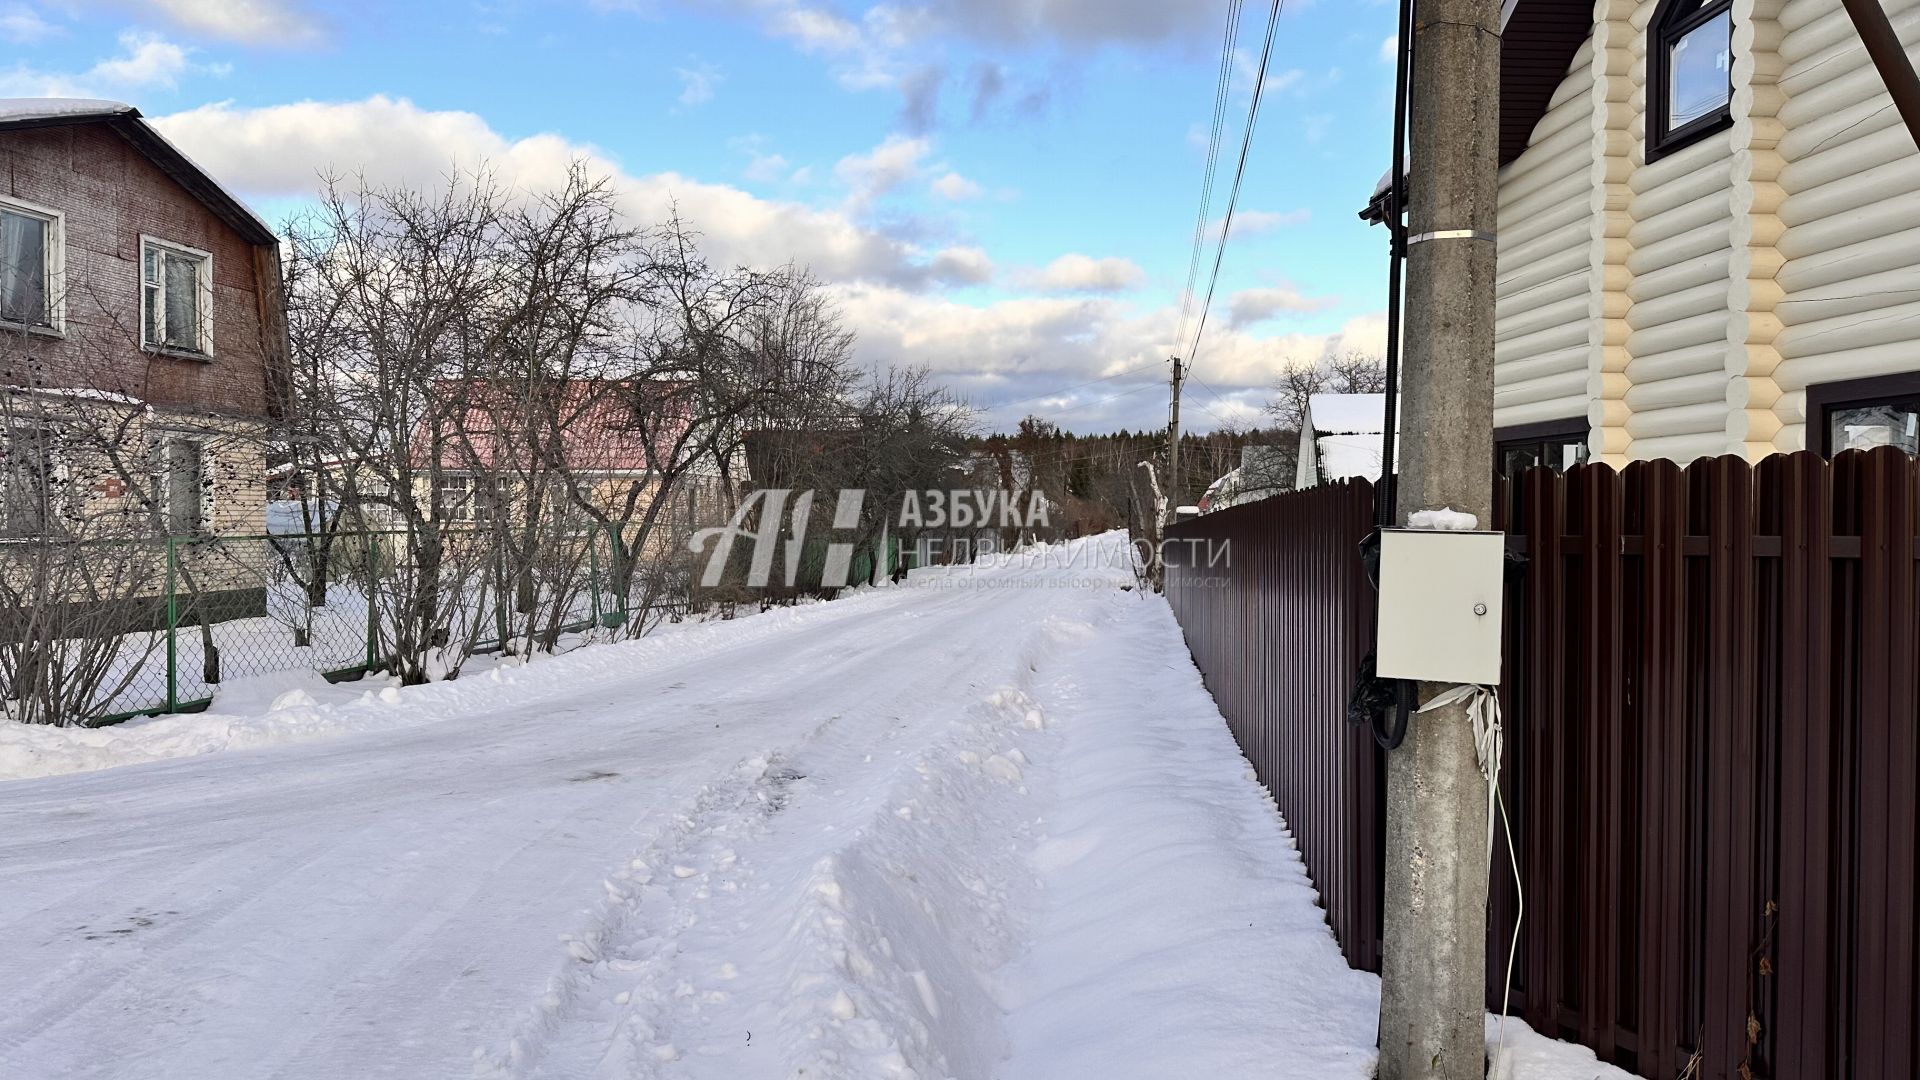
[
  {"x": 1396, "y": 255},
  {"x": 1434, "y": 949},
  {"x": 1173, "y": 447},
  {"x": 373, "y": 607},
  {"x": 593, "y": 578},
  {"x": 173, "y": 623},
  {"x": 1890, "y": 57}
]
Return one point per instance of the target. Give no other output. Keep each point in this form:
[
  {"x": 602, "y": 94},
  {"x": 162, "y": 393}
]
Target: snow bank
[{"x": 260, "y": 711}]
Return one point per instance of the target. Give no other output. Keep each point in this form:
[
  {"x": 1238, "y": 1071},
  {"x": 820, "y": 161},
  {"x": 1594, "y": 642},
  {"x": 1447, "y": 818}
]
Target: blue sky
[{"x": 1001, "y": 190}]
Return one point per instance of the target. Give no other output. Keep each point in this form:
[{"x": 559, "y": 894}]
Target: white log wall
[
  {"x": 1851, "y": 249},
  {"x": 1683, "y": 306},
  {"x": 1541, "y": 333}
]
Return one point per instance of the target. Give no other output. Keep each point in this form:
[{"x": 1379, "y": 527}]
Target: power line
[
  {"x": 1239, "y": 174},
  {"x": 1221, "y": 94}
]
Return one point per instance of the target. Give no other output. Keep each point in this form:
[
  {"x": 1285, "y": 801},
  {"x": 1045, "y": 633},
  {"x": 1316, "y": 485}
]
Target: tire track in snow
[{"x": 584, "y": 1027}]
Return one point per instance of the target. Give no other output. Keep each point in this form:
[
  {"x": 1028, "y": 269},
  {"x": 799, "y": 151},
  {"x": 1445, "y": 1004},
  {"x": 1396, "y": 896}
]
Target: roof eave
[
  {"x": 196, "y": 180},
  {"x": 126, "y": 121}
]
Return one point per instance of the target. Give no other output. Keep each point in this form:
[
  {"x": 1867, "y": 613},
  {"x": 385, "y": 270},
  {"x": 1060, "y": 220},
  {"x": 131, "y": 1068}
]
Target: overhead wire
[
  {"x": 1222, "y": 94},
  {"x": 1239, "y": 175}
]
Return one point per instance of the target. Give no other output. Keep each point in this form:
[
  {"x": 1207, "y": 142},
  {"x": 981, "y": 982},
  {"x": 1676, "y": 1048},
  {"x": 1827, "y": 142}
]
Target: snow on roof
[
  {"x": 1347, "y": 414},
  {"x": 17, "y": 110},
  {"x": 1343, "y": 457}
]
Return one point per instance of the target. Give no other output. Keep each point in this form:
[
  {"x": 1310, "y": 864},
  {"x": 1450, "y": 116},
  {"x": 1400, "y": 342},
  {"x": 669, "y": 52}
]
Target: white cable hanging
[{"x": 1489, "y": 745}]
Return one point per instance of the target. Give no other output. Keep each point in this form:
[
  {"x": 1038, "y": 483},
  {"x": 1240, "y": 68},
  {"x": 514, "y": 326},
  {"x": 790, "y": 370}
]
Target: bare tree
[
  {"x": 1351, "y": 373},
  {"x": 396, "y": 317}
]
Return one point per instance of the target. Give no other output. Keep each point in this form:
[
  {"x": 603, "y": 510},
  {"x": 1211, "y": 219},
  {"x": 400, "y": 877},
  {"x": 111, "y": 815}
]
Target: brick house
[{"x": 143, "y": 348}]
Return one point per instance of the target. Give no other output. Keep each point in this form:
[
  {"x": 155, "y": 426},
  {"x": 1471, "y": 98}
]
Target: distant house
[
  {"x": 1263, "y": 471},
  {"x": 142, "y": 303},
  {"x": 1340, "y": 438},
  {"x": 615, "y": 441},
  {"x": 1709, "y": 222}
]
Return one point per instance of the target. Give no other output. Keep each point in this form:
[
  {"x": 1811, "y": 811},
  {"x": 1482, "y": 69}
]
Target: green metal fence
[
  {"x": 181, "y": 622},
  {"x": 204, "y": 614}
]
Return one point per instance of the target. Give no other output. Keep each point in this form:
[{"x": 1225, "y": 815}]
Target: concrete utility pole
[
  {"x": 1433, "y": 968},
  {"x": 1173, "y": 446}
]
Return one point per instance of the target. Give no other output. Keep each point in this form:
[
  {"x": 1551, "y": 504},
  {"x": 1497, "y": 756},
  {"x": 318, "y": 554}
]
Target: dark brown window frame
[
  {"x": 1822, "y": 398},
  {"x": 1542, "y": 431},
  {"x": 1666, "y": 29}
]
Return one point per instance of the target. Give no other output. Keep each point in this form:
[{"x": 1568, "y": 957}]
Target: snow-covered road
[{"x": 985, "y": 825}]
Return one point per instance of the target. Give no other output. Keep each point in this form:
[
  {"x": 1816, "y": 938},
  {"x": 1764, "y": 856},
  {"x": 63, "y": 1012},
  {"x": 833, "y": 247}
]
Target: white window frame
[
  {"x": 206, "y": 297},
  {"x": 56, "y": 323},
  {"x": 449, "y": 483},
  {"x": 161, "y": 459}
]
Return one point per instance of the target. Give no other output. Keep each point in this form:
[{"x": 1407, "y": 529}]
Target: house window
[
  {"x": 183, "y": 492},
  {"x": 33, "y": 499},
  {"x": 1561, "y": 444},
  {"x": 470, "y": 499},
  {"x": 1691, "y": 71},
  {"x": 29, "y": 265},
  {"x": 176, "y": 298},
  {"x": 1861, "y": 414}
]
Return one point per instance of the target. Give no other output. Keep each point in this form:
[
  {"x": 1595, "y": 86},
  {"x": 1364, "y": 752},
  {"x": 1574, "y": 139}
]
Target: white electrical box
[{"x": 1440, "y": 605}]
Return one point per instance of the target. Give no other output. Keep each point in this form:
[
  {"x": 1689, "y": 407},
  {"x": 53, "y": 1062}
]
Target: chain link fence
[{"x": 99, "y": 632}]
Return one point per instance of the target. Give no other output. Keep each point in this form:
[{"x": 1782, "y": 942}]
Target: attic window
[{"x": 1691, "y": 73}]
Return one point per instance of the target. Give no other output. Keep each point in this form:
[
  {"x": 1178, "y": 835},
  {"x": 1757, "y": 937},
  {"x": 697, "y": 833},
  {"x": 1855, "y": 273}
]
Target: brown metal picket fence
[{"x": 1712, "y": 696}]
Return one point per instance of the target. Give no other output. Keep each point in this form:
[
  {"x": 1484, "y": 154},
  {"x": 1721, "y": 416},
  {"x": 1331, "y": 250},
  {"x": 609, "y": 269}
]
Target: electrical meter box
[{"x": 1440, "y": 605}]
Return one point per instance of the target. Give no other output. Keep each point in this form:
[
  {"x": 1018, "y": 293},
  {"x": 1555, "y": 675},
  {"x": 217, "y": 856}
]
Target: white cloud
[
  {"x": 251, "y": 22},
  {"x": 956, "y": 187},
  {"x": 766, "y": 168},
  {"x": 962, "y": 266},
  {"x": 1083, "y": 273},
  {"x": 885, "y": 167},
  {"x": 1252, "y": 222},
  {"x": 1014, "y": 348},
  {"x": 1250, "y": 306},
  {"x": 23, "y": 25},
  {"x": 820, "y": 31},
  {"x": 1087, "y": 23},
  {"x": 1033, "y": 353},
  {"x": 764, "y": 165},
  {"x": 697, "y": 83},
  {"x": 280, "y": 151},
  {"x": 1390, "y": 49},
  {"x": 147, "y": 61}
]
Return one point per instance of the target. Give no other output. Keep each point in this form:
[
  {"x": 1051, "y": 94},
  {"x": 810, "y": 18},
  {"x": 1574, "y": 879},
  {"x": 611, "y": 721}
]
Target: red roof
[{"x": 603, "y": 426}]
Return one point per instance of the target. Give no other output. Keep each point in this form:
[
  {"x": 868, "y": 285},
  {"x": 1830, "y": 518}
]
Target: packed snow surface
[{"x": 987, "y": 826}]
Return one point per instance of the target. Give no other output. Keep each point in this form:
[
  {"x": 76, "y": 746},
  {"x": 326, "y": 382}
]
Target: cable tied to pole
[{"x": 1489, "y": 746}]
